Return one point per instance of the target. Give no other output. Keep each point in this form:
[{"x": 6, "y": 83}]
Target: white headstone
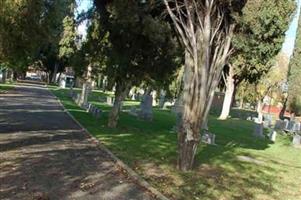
[{"x": 297, "y": 141}]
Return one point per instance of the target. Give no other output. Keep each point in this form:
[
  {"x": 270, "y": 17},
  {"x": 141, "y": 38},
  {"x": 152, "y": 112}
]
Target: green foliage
[
  {"x": 259, "y": 36},
  {"x": 295, "y": 74},
  {"x": 139, "y": 46},
  {"x": 67, "y": 42},
  {"x": 21, "y": 30}
]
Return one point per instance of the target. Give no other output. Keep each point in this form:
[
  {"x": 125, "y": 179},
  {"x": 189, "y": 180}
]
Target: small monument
[
  {"x": 258, "y": 129},
  {"x": 297, "y": 141},
  {"x": 110, "y": 100},
  {"x": 273, "y": 135},
  {"x": 146, "y": 108},
  {"x": 208, "y": 138}
]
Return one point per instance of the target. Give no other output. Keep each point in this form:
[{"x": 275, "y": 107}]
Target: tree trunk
[
  {"x": 87, "y": 87},
  {"x": 122, "y": 89},
  {"x": 259, "y": 111},
  {"x": 241, "y": 103},
  {"x": 190, "y": 124},
  {"x": 85, "y": 94},
  {"x": 56, "y": 68},
  {"x": 162, "y": 98},
  {"x": 282, "y": 112},
  {"x": 228, "y": 95},
  {"x": 4, "y": 72}
]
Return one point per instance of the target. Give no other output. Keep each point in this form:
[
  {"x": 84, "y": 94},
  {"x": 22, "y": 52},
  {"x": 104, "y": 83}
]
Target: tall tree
[
  {"x": 28, "y": 28},
  {"x": 140, "y": 47},
  {"x": 205, "y": 29},
  {"x": 257, "y": 40},
  {"x": 294, "y": 97}
]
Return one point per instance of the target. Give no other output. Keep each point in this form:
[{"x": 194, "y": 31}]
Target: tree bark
[
  {"x": 206, "y": 36},
  {"x": 282, "y": 112},
  {"x": 87, "y": 87},
  {"x": 190, "y": 124},
  {"x": 230, "y": 86},
  {"x": 122, "y": 90},
  {"x": 4, "y": 72},
  {"x": 56, "y": 68},
  {"x": 241, "y": 103},
  {"x": 259, "y": 111},
  {"x": 85, "y": 94}
]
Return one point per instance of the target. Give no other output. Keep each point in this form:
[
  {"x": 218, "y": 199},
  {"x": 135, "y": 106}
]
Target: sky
[
  {"x": 84, "y": 5},
  {"x": 287, "y": 47},
  {"x": 289, "y": 43}
]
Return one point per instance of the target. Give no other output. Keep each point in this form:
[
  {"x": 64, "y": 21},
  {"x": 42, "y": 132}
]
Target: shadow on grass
[{"x": 218, "y": 174}]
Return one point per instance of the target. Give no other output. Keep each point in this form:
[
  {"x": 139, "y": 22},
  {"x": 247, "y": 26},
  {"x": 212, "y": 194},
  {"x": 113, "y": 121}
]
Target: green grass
[
  {"x": 150, "y": 149},
  {"x": 5, "y": 87}
]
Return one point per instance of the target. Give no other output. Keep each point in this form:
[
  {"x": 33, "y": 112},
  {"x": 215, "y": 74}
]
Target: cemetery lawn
[
  {"x": 238, "y": 167},
  {"x": 5, "y": 87}
]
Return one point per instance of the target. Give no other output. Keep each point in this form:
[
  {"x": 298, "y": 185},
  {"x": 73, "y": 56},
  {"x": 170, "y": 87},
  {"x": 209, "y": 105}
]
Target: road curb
[{"x": 140, "y": 181}]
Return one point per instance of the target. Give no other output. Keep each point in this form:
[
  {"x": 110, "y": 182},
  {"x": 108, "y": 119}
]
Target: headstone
[
  {"x": 146, "y": 108},
  {"x": 110, "y": 100},
  {"x": 279, "y": 125},
  {"x": 89, "y": 107},
  {"x": 92, "y": 108},
  {"x": 133, "y": 111},
  {"x": 273, "y": 136},
  {"x": 297, "y": 127},
  {"x": 297, "y": 141},
  {"x": 267, "y": 121},
  {"x": 258, "y": 129},
  {"x": 102, "y": 99},
  {"x": 208, "y": 138},
  {"x": 97, "y": 113},
  {"x": 285, "y": 124},
  {"x": 71, "y": 92},
  {"x": 290, "y": 126}
]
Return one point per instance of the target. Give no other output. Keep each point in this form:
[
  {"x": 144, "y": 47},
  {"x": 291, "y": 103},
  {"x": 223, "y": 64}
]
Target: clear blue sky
[
  {"x": 287, "y": 48},
  {"x": 289, "y": 43}
]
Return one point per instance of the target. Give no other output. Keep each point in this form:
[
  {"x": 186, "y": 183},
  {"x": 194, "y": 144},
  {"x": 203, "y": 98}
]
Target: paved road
[{"x": 45, "y": 155}]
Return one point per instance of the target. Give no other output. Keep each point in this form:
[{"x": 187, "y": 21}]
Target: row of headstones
[
  {"x": 288, "y": 126},
  {"x": 273, "y": 134},
  {"x": 96, "y": 112}
]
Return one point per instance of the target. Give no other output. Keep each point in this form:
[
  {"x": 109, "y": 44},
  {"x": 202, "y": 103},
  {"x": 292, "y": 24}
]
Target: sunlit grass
[{"x": 270, "y": 171}]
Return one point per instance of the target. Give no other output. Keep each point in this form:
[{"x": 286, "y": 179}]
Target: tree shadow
[{"x": 62, "y": 165}]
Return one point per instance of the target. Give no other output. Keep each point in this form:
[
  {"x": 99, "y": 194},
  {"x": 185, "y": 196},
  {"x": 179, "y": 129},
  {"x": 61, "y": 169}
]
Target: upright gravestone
[
  {"x": 273, "y": 135},
  {"x": 146, "y": 108},
  {"x": 258, "y": 129},
  {"x": 297, "y": 141},
  {"x": 290, "y": 126},
  {"x": 279, "y": 125},
  {"x": 110, "y": 100},
  {"x": 208, "y": 138},
  {"x": 162, "y": 99},
  {"x": 285, "y": 124},
  {"x": 297, "y": 127},
  {"x": 178, "y": 110}
]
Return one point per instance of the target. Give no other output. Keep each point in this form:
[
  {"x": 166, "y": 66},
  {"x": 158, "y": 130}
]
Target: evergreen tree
[
  {"x": 294, "y": 93},
  {"x": 257, "y": 40}
]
